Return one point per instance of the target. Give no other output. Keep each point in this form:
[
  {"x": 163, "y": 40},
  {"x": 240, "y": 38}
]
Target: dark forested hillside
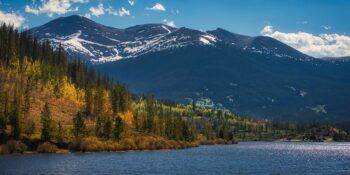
[
  {"x": 245, "y": 83},
  {"x": 257, "y": 76},
  {"x": 49, "y": 103}
]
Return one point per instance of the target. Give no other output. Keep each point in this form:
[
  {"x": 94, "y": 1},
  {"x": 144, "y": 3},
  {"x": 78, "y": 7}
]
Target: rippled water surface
[{"x": 244, "y": 158}]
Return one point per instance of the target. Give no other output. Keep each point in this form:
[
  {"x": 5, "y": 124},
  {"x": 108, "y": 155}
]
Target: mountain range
[{"x": 254, "y": 76}]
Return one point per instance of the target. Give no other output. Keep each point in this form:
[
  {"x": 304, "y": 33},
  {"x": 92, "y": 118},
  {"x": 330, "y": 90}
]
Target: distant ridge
[{"x": 97, "y": 43}]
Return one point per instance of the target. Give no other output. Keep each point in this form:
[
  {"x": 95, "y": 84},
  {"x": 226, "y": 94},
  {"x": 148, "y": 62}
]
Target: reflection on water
[{"x": 244, "y": 158}]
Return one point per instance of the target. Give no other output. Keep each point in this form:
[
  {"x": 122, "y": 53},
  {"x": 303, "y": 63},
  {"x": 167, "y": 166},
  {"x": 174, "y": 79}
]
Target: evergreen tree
[
  {"x": 115, "y": 99},
  {"x": 136, "y": 120},
  {"x": 150, "y": 114},
  {"x": 99, "y": 126},
  {"x": 60, "y": 132},
  {"x": 208, "y": 131},
  {"x": 88, "y": 101},
  {"x": 3, "y": 113},
  {"x": 79, "y": 125},
  {"x": 118, "y": 128},
  {"x": 99, "y": 102},
  {"x": 169, "y": 129},
  {"x": 46, "y": 130},
  {"x": 15, "y": 119},
  {"x": 26, "y": 106},
  {"x": 30, "y": 129},
  {"x": 107, "y": 128},
  {"x": 193, "y": 105},
  {"x": 3, "y": 123},
  {"x": 119, "y": 98},
  {"x": 186, "y": 132},
  {"x": 4, "y": 103}
]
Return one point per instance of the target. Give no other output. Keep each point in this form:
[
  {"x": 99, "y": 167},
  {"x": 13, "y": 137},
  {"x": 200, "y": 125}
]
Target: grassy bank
[{"x": 93, "y": 144}]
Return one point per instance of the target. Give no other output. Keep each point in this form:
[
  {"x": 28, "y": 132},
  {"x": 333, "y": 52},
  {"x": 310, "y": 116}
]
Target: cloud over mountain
[
  {"x": 322, "y": 45},
  {"x": 97, "y": 11},
  {"x": 169, "y": 23},
  {"x": 100, "y": 10},
  {"x": 52, "y": 7},
  {"x": 157, "y": 7},
  {"x": 12, "y": 18}
]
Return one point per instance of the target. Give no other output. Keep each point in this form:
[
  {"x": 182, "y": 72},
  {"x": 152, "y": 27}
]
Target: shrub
[
  {"x": 75, "y": 145},
  {"x": 128, "y": 144},
  {"x": 47, "y": 147},
  {"x": 141, "y": 143},
  {"x": 172, "y": 144},
  {"x": 93, "y": 144},
  {"x": 220, "y": 141},
  {"x": 4, "y": 149},
  {"x": 16, "y": 146},
  {"x": 158, "y": 144},
  {"x": 112, "y": 146}
]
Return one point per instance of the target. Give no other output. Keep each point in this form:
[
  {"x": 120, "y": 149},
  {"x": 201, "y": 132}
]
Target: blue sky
[{"x": 249, "y": 17}]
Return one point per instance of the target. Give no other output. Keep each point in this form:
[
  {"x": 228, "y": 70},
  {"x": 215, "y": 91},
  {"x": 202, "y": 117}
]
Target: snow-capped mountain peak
[
  {"x": 97, "y": 43},
  {"x": 86, "y": 39}
]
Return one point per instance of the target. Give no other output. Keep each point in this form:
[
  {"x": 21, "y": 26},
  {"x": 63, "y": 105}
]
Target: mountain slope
[
  {"x": 255, "y": 76},
  {"x": 336, "y": 59},
  {"x": 247, "y": 83},
  {"x": 84, "y": 38},
  {"x": 259, "y": 44}
]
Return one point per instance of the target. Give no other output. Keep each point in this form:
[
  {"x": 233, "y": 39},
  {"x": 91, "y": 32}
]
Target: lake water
[{"x": 243, "y": 158}]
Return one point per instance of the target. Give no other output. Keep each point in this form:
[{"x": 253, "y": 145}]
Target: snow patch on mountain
[
  {"x": 107, "y": 59},
  {"x": 207, "y": 39},
  {"x": 319, "y": 109},
  {"x": 165, "y": 28},
  {"x": 210, "y": 37},
  {"x": 204, "y": 41},
  {"x": 302, "y": 93},
  {"x": 72, "y": 42},
  {"x": 120, "y": 47}
]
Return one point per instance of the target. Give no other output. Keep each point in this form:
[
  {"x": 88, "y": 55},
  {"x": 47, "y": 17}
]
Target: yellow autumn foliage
[
  {"x": 71, "y": 92},
  {"x": 127, "y": 117}
]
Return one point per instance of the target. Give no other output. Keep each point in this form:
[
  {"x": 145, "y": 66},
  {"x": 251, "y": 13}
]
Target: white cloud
[
  {"x": 157, "y": 7},
  {"x": 52, "y": 7},
  {"x": 327, "y": 27},
  {"x": 100, "y": 10},
  {"x": 123, "y": 12},
  {"x": 267, "y": 30},
  {"x": 131, "y": 2},
  {"x": 34, "y": 11},
  {"x": 169, "y": 23},
  {"x": 87, "y": 15},
  {"x": 12, "y": 19},
  {"x": 111, "y": 11},
  {"x": 97, "y": 11},
  {"x": 323, "y": 45}
]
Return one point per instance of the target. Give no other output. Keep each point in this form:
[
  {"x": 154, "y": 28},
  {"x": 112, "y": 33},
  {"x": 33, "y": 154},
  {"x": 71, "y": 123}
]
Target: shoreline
[
  {"x": 178, "y": 146},
  {"x": 193, "y": 145}
]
